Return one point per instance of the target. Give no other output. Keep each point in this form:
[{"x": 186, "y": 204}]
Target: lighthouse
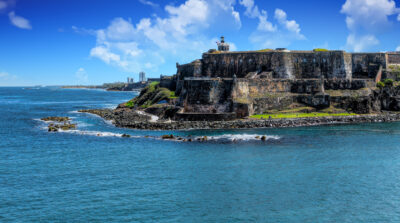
[{"x": 222, "y": 46}]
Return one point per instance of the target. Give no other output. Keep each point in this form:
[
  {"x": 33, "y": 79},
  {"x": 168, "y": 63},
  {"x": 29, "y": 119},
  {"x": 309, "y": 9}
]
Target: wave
[
  {"x": 95, "y": 133},
  {"x": 243, "y": 137}
]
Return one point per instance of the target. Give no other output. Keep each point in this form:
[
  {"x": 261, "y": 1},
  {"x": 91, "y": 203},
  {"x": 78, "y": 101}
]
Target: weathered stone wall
[
  {"x": 226, "y": 65},
  {"x": 289, "y": 65},
  {"x": 393, "y": 58},
  {"x": 206, "y": 96},
  {"x": 330, "y": 64},
  {"x": 193, "y": 69},
  {"x": 168, "y": 82},
  {"x": 366, "y": 65}
]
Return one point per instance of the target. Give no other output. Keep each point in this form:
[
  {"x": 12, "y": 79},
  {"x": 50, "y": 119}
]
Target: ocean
[{"x": 338, "y": 173}]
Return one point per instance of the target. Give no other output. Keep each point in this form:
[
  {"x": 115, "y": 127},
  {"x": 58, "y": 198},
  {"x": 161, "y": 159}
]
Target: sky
[{"x": 87, "y": 42}]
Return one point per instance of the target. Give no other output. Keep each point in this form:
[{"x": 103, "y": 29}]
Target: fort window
[
  {"x": 314, "y": 60},
  {"x": 304, "y": 60}
]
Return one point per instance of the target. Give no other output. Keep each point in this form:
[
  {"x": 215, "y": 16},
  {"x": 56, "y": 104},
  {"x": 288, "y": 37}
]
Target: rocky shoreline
[{"x": 108, "y": 114}]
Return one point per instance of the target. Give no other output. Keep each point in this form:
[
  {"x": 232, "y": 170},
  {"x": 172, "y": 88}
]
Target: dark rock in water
[
  {"x": 107, "y": 114},
  {"x": 56, "y": 119},
  {"x": 125, "y": 135},
  {"x": 263, "y": 138},
  {"x": 53, "y": 127},
  {"x": 168, "y": 137}
]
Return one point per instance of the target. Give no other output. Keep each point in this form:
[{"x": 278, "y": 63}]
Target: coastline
[{"x": 107, "y": 114}]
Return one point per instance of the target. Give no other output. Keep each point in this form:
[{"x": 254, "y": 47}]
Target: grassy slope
[
  {"x": 150, "y": 95},
  {"x": 300, "y": 115}
]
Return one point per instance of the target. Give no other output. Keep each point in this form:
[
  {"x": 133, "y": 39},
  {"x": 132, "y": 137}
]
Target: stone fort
[{"x": 226, "y": 85}]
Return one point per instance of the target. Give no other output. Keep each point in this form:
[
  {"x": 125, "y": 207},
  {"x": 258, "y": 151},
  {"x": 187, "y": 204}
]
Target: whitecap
[
  {"x": 243, "y": 137},
  {"x": 95, "y": 133}
]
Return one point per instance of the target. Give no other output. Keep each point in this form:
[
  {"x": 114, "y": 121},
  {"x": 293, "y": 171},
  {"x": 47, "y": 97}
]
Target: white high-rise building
[{"x": 142, "y": 76}]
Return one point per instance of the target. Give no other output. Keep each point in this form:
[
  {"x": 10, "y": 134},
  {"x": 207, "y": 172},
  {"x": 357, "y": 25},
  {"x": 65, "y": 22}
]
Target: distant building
[
  {"x": 222, "y": 46},
  {"x": 142, "y": 77},
  {"x": 130, "y": 80}
]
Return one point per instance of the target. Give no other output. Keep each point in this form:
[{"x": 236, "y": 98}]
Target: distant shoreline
[{"x": 82, "y": 87}]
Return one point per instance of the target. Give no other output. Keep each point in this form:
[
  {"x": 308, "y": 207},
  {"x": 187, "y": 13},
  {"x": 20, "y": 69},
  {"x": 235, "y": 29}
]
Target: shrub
[
  {"x": 129, "y": 104},
  {"x": 172, "y": 95},
  {"x": 265, "y": 50},
  {"x": 320, "y": 50},
  {"x": 380, "y": 84},
  {"x": 216, "y": 52},
  {"x": 388, "y": 82}
]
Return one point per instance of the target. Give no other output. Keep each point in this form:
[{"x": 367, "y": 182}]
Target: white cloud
[
  {"x": 19, "y": 21},
  {"x": 358, "y": 44},
  {"x": 290, "y": 25},
  {"x": 150, "y": 3},
  {"x": 3, "y": 5},
  {"x": 82, "y": 75},
  {"x": 368, "y": 14},
  {"x": 251, "y": 9},
  {"x": 398, "y": 17},
  {"x": 268, "y": 34},
  {"x": 398, "y": 48},
  {"x": 6, "y": 76},
  {"x": 105, "y": 55},
  {"x": 365, "y": 19},
  {"x": 6, "y": 5},
  {"x": 147, "y": 44},
  {"x": 264, "y": 24}
]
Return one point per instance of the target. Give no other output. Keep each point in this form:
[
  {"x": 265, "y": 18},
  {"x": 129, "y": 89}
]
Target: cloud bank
[
  {"x": 365, "y": 19},
  {"x": 151, "y": 41}
]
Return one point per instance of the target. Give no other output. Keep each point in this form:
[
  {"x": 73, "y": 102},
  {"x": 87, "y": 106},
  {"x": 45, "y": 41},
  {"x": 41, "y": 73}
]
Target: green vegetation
[
  {"x": 320, "y": 50},
  {"x": 380, "y": 85},
  {"x": 129, "y": 104},
  {"x": 395, "y": 69},
  {"x": 172, "y": 95},
  {"x": 299, "y": 115},
  {"x": 150, "y": 95},
  {"x": 264, "y": 50},
  {"x": 216, "y": 52},
  {"x": 302, "y": 109},
  {"x": 388, "y": 82}
]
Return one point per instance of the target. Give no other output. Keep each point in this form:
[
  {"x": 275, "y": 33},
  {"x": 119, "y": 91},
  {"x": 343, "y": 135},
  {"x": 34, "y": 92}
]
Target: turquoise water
[{"x": 348, "y": 173}]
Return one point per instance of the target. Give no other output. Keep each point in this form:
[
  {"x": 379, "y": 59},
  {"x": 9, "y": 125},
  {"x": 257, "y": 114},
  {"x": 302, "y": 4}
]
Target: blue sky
[{"x": 60, "y": 42}]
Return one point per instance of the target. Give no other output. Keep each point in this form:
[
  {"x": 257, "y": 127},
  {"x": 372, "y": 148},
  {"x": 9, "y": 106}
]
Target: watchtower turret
[{"x": 222, "y": 46}]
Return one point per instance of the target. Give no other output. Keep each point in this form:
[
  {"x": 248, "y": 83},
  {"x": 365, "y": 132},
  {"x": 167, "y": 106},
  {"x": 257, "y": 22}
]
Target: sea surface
[{"x": 347, "y": 173}]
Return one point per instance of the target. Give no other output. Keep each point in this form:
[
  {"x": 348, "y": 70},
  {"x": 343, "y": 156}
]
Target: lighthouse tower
[{"x": 222, "y": 46}]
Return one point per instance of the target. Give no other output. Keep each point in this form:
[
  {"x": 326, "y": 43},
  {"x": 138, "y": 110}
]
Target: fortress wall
[
  {"x": 393, "y": 58},
  {"x": 330, "y": 64},
  {"x": 225, "y": 65},
  {"x": 192, "y": 69},
  {"x": 366, "y": 65},
  {"x": 289, "y": 65}
]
